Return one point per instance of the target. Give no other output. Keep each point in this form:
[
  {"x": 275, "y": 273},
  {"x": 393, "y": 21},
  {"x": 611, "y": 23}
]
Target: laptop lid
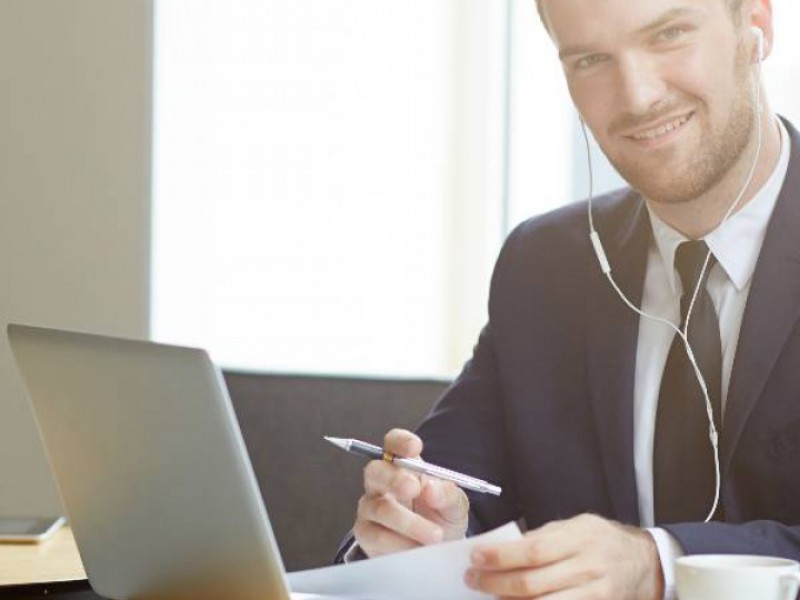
[{"x": 151, "y": 467}]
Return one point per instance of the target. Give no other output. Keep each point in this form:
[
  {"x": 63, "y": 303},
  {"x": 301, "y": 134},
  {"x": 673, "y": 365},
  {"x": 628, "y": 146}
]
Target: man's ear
[{"x": 758, "y": 14}]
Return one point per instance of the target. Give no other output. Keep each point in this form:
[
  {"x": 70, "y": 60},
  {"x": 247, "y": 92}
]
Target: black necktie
[{"x": 683, "y": 460}]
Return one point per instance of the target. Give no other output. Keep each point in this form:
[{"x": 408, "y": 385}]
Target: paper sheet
[{"x": 428, "y": 573}]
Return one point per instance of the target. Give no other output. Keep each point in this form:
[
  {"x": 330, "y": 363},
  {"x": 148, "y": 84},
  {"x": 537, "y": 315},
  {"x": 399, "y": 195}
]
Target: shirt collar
[{"x": 736, "y": 243}]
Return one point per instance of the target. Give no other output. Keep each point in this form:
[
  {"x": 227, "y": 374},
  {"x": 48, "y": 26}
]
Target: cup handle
[{"x": 791, "y": 584}]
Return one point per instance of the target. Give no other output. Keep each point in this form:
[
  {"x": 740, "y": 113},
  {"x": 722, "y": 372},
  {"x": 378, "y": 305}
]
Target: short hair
[{"x": 733, "y": 6}]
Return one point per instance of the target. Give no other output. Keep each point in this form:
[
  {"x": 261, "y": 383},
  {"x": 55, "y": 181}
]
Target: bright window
[
  {"x": 327, "y": 181},
  {"x": 333, "y": 180}
]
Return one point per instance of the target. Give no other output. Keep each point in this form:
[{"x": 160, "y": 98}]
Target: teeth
[{"x": 660, "y": 131}]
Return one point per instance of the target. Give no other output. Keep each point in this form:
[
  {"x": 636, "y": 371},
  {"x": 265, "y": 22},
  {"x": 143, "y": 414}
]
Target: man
[{"x": 575, "y": 404}]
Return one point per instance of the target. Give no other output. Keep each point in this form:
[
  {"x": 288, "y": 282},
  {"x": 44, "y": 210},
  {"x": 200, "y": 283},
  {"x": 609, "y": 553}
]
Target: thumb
[{"x": 448, "y": 502}]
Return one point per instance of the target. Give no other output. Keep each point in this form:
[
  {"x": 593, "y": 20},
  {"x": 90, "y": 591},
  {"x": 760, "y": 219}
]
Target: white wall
[{"x": 75, "y": 82}]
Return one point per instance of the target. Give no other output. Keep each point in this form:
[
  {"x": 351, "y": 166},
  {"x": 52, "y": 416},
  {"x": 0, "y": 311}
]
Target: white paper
[{"x": 428, "y": 573}]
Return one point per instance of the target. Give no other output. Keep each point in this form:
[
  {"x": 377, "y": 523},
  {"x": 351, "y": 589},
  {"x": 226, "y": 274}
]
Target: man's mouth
[{"x": 660, "y": 131}]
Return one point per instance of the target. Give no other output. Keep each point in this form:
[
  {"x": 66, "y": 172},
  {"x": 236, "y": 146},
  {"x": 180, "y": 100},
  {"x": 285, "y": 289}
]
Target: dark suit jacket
[{"x": 545, "y": 406}]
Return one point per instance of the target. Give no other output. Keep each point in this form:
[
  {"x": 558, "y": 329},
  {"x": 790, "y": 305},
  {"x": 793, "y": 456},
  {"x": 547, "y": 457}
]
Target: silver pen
[{"x": 416, "y": 465}]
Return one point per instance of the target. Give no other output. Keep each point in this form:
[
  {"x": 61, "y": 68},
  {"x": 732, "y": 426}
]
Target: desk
[
  {"x": 52, "y": 569},
  {"x": 56, "y": 559}
]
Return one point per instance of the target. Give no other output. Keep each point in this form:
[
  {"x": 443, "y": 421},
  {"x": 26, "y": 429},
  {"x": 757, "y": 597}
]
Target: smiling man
[{"x": 588, "y": 412}]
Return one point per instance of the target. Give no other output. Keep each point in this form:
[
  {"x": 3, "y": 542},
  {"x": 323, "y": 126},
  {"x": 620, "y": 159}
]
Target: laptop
[{"x": 151, "y": 466}]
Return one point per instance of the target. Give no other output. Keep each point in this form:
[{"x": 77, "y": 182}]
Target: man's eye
[
  {"x": 671, "y": 34},
  {"x": 588, "y": 61}
]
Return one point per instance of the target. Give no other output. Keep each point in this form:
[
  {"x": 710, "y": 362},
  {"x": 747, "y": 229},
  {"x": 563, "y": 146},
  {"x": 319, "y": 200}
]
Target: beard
[{"x": 717, "y": 151}]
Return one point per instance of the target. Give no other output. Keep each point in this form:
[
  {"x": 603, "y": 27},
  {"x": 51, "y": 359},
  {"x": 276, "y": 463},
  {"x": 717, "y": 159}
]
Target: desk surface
[{"x": 56, "y": 559}]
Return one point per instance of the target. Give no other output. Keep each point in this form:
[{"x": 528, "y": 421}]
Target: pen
[{"x": 416, "y": 465}]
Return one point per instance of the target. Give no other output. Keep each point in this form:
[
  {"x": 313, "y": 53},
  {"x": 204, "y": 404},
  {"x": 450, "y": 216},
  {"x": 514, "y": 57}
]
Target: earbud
[{"x": 759, "y": 34}]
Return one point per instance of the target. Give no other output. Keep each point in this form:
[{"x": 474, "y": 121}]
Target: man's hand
[
  {"x": 584, "y": 557},
  {"x": 401, "y": 509}
]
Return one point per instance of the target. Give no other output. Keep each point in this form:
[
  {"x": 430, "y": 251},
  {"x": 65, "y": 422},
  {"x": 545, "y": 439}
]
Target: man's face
[{"x": 664, "y": 85}]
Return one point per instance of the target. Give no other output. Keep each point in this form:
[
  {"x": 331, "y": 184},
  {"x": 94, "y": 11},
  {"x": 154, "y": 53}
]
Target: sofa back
[{"x": 311, "y": 488}]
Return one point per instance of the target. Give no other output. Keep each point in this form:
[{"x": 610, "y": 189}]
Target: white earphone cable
[{"x": 683, "y": 333}]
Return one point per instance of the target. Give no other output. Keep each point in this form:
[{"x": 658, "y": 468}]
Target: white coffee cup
[{"x": 736, "y": 577}]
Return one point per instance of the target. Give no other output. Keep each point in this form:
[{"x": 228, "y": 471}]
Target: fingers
[
  {"x": 402, "y": 509},
  {"x": 447, "y": 499},
  {"x": 381, "y": 477},
  {"x": 402, "y": 443},
  {"x": 377, "y": 540},
  {"x": 538, "y": 548},
  {"x": 583, "y": 557},
  {"x": 386, "y": 511},
  {"x": 526, "y": 583}
]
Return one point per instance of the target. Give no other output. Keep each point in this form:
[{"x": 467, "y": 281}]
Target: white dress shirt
[{"x": 736, "y": 245}]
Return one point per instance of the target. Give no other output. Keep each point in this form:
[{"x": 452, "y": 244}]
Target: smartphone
[{"x": 28, "y": 530}]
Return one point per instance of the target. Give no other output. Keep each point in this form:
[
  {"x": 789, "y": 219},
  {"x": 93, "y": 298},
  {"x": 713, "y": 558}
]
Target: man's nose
[{"x": 641, "y": 85}]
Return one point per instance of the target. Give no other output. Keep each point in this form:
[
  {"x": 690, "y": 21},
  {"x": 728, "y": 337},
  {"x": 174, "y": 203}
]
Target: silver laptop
[{"x": 151, "y": 467}]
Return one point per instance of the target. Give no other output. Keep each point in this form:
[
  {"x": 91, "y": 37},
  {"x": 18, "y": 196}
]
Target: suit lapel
[
  {"x": 772, "y": 307},
  {"x": 612, "y": 334}
]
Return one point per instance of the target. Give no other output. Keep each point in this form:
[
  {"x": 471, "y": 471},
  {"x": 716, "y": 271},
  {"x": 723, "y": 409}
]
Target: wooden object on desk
[{"x": 56, "y": 559}]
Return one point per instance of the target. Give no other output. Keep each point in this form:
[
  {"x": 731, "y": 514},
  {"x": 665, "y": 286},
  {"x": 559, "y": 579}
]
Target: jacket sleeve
[{"x": 753, "y": 537}]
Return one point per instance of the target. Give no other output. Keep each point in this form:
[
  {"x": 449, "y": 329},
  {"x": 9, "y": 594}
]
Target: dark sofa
[{"x": 310, "y": 488}]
